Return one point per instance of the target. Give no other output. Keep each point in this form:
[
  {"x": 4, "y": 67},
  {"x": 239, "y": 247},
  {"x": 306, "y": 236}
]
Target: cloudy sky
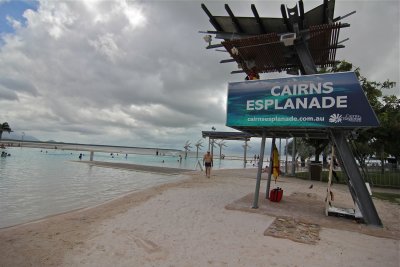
[{"x": 137, "y": 73}]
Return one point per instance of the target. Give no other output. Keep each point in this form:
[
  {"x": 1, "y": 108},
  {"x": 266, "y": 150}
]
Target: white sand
[{"x": 187, "y": 224}]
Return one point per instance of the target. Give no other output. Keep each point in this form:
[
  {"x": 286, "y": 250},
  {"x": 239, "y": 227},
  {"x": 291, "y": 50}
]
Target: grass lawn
[
  {"x": 394, "y": 198},
  {"x": 388, "y": 179}
]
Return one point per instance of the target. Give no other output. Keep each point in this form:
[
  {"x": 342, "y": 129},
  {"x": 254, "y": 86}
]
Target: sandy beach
[{"x": 208, "y": 222}]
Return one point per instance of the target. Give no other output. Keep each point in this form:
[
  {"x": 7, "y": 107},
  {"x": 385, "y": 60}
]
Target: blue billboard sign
[{"x": 322, "y": 100}]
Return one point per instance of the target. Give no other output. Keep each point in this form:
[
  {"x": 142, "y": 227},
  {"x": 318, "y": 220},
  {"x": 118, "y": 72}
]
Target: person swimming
[{"x": 4, "y": 154}]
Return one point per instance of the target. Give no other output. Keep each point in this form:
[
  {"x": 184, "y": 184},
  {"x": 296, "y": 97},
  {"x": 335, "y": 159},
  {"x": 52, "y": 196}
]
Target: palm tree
[
  {"x": 187, "y": 148},
  {"x": 4, "y": 128},
  {"x": 198, "y": 145},
  {"x": 221, "y": 144}
]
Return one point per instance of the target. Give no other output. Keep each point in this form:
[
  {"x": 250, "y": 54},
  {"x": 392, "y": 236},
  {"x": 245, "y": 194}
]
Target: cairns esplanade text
[{"x": 296, "y": 97}]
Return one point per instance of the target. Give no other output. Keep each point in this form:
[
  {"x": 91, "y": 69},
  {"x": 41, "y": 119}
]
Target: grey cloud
[
  {"x": 6, "y": 94},
  {"x": 18, "y": 85},
  {"x": 96, "y": 78}
]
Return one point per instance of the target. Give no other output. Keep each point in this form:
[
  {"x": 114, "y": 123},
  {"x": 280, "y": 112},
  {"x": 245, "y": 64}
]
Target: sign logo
[{"x": 335, "y": 118}]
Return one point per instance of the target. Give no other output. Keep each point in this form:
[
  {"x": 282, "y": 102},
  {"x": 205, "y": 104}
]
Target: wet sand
[
  {"x": 136, "y": 167},
  {"x": 208, "y": 222}
]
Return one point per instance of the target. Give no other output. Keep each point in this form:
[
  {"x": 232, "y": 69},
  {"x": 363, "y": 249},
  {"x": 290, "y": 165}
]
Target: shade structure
[
  {"x": 261, "y": 44},
  {"x": 266, "y": 53}
]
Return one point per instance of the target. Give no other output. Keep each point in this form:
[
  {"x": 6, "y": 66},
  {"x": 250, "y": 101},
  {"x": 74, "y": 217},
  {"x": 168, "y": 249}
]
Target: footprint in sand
[{"x": 147, "y": 245}]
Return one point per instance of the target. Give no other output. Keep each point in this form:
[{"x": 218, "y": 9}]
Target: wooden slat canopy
[
  {"x": 265, "y": 52},
  {"x": 255, "y": 44}
]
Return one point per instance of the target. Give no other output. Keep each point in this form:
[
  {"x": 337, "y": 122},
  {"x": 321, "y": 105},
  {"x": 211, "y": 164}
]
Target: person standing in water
[{"x": 208, "y": 163}]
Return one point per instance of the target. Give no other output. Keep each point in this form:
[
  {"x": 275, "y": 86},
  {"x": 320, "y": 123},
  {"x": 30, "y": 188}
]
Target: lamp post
[
  {"x": 212, "y": 142},
  {"x": 22, "y": 138}
]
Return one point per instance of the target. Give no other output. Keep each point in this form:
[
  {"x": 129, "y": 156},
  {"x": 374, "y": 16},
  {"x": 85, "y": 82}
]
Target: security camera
[
  {"x": 288, "y": 39},
  {"x": 235, "y": 51},
  {"x": 208, "y": 39}
]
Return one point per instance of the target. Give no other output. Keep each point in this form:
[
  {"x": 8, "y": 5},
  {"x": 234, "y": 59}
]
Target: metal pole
[
  {"x": 23, "y": 134},
  {"x": 259, "y": 171},
  {"x": 294, "y": 156},
  {"x": 280, "y": 151},
  {"x": 286, "y": 167},
  {"x": 271, "y": 165},
  {"x": 245, "y": 154},
  {"x": 280, "y": 148},
  {"x": 356, "y": 184}
]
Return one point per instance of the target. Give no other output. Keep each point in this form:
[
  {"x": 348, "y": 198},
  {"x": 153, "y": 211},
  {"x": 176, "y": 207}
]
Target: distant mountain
[{"x": 18, "y": 136}]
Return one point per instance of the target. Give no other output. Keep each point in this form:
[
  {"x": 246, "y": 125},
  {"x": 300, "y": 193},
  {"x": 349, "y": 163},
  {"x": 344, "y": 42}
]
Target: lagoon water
[{"x": 35, "y": 183}]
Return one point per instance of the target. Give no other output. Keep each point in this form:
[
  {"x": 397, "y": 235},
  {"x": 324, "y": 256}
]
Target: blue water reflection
[{"x": 35, "y": 184}]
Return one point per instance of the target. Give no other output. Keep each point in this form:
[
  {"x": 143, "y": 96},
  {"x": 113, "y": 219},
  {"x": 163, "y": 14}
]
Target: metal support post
[
  {"x": 294, "y": 157},
  {"x": 286, "y": 159},
  {"x": 259, "y": 171},
  {"x": 271, "y": 165},
  {"x": 356, "y": 183},
  {"x": 245, "y": 154},
  {"x": 307, "y": 64}
]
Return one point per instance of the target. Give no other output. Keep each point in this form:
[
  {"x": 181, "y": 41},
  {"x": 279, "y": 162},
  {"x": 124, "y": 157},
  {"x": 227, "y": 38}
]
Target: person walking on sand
[{"x": 208, "y": 163}]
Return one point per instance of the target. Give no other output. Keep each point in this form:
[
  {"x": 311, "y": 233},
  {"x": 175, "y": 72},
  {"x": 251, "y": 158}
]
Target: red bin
[{"x": 276, "y": 194}]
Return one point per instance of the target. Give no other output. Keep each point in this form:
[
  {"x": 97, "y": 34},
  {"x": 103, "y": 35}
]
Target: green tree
[
  {"x": 303, "y": 150},
  {"x": 384, "y": 140},
  {"x": 381, "y": 141},
  {"x": 320, "y": 145},
  {"x": 4, "y": 127},
  {"x": 363, "y": 148},
  {"x": 390, "y": 120}
]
